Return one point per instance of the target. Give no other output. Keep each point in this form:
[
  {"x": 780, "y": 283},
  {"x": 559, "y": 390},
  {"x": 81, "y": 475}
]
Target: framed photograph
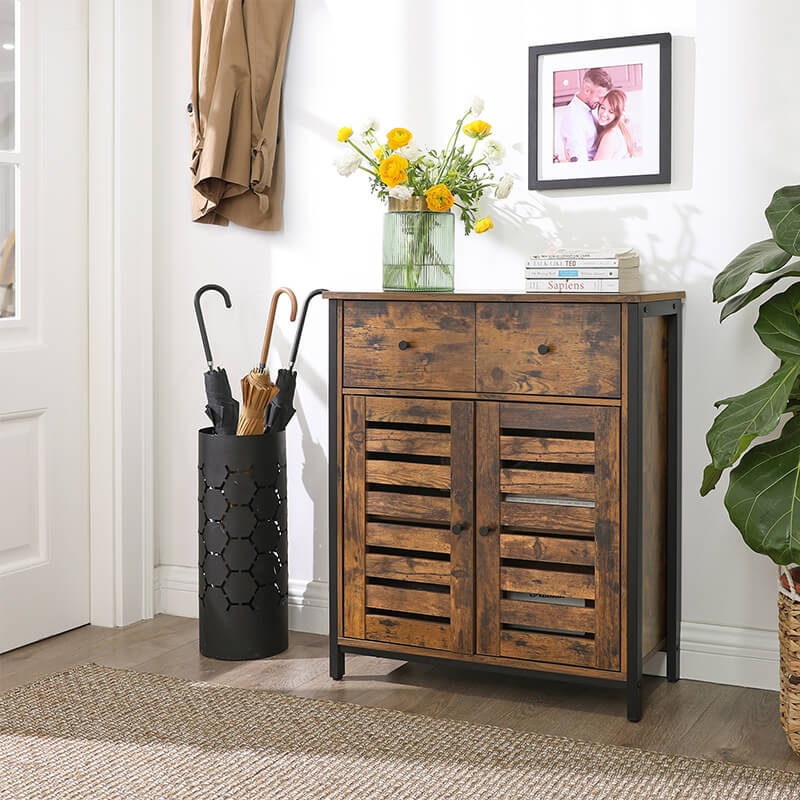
[{"x": 599, "y": 112}]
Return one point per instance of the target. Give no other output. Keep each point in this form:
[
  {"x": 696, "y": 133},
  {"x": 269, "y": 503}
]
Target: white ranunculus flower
[
  {"x": 400, "y": 192},
  {"x": 476, "y": 106},
  {"x": 495, "y": 152},
  {"x": 428, "y": 160},
  {"x": 411, "y": 151},
  {"x": 504, "y": 187},
  {"x": 370, "y": 124},
  {"x": 347, "y": 164}
]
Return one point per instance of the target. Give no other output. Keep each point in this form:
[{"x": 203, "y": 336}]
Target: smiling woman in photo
[{"x": 614, "y": 140}]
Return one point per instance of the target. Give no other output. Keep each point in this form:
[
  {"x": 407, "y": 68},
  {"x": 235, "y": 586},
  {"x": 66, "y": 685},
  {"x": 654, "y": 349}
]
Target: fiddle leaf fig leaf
[
  {"x": 777, "y": 325},
  {"x": 754, "y": 413},
  {"x": 763, "y": 498},
  {"x": 741, "y": 300},
  {"x": 763, "y": 256},
  {"x": 711, "y": 476},
  {"x": 783, "y": 216}
]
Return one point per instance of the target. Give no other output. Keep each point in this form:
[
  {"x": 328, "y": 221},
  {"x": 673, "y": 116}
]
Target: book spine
[
  {"x": 561, "y": 285},
  {"x": 571, "y": 254},
  {"x": 574, "y": 262},
  {"x": 553, "y": 272}
]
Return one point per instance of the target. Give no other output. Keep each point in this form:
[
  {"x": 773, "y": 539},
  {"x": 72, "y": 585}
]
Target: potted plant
[
  {"x": 763, "y": 497},
  {"x": 422, "y": 185}
]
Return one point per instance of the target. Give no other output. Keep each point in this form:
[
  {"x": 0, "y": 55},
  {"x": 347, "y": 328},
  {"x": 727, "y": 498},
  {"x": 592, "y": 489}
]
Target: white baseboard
[
  {"x": 175, "y": 590},
  {"x": 176, "y": 594},
  {"x": 713, "y": 653},
  {"x": 724, "y": 654}
]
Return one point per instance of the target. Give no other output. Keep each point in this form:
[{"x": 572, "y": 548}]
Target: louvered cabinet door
[
  {"x": 548, "y": 543},
  {"x": 408, "y": 532}
]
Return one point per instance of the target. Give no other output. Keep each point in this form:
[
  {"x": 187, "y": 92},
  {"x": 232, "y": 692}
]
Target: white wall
[{"x": 418, "y": 64}]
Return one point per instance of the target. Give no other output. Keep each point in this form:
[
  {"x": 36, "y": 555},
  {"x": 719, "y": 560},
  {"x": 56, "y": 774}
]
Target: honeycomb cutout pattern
[{"x": 243, "y": 542}]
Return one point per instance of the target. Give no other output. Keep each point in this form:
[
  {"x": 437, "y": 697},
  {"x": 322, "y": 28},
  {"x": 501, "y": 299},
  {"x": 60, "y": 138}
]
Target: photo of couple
[
  {"x": 600, "y": 112},
  {"x": 594, "y": 112}
]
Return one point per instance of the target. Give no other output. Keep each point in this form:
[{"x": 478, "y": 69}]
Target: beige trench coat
[{"x": 238, "y": 60}]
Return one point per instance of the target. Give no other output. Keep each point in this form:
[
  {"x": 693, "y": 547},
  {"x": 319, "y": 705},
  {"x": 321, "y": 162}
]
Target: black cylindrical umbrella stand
[{"x": 244, "y": 580}]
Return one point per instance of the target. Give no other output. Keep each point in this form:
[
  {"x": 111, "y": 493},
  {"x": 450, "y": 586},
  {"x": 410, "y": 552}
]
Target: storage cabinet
[{"x": 505, "y": 482}]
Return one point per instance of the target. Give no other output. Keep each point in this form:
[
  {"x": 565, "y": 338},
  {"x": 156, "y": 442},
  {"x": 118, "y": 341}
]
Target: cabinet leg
[
  {"x": 634, "y": 697},
  {"x": 673, "y": 664},
  {"x": 337, "y": 663}
]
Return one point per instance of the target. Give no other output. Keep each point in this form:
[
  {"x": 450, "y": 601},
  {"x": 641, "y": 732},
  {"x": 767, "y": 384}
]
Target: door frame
[{"x": 121, "y": 364}]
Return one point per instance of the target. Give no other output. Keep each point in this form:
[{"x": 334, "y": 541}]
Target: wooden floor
[{"x": 704, "y": 720}]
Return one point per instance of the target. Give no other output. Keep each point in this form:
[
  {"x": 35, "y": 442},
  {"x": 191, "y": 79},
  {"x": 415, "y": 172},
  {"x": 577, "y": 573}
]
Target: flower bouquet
[{"x": 422, "y": 185}]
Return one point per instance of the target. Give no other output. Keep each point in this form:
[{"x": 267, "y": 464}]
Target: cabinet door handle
[
  {"x": 484, "y": 530},
  {"x": 544, "y": 349},
  {"x": 457, "y": 528},
  {"x": 403, "y": 344}
]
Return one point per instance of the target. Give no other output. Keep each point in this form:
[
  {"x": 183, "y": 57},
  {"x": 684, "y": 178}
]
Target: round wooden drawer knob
[
  {"x": 544, "y": 349},
  {"x": 404, "y": 345}
]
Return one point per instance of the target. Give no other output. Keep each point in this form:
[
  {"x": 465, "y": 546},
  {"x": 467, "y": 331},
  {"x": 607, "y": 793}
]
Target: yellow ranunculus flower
[
  {"x": 344, "y": 134},
  {"x": 393, "y": 170},
  {"x": 379, "y": 154},
  {"x": 398, "y": 137},
  {"x": 483, "y": 225},
  {"x": 478, "y": 129},
  {"x": 439, "y": 198}
]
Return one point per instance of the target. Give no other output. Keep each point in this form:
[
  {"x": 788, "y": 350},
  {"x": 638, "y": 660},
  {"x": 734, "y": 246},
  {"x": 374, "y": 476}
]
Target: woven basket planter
[{"x": 789, "y": 631}]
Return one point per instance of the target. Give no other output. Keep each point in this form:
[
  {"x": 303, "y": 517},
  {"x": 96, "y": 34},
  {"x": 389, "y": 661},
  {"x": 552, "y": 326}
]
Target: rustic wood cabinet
[{"x": 505, "y": 482}]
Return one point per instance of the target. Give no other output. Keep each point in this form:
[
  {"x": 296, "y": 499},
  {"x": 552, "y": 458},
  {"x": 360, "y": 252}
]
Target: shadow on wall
[
  {"x": 541, "y": 223},
  {"x": 314, "y": 476},
  {"x": 314, "y": 469}
]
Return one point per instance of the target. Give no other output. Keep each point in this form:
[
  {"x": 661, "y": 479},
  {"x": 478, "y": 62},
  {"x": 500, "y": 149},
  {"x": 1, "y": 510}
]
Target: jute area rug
[{"x": 100, "y": 733}]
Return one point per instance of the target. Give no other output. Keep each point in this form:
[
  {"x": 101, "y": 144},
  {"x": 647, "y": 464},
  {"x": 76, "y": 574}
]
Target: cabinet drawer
[
  {"x": 409, "y": 345},
  {"x": 581, "y": 344}
]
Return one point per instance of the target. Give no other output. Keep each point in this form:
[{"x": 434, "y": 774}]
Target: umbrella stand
[
  {"x": 242, "y": 525},
  {"x": 281, "y": 407},
  {"x": 221, "y": 408},
  {"x": 257, "y": 386}
]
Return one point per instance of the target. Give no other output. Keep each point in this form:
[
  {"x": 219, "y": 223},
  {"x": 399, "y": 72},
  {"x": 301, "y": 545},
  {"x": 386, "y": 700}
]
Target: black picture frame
[{"x": 664, "y": 175}]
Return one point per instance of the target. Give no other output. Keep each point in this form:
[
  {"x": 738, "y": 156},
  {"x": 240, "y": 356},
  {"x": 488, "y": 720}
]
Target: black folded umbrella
[
  {"x": 222, "y": 409},
  {"x": 281, "y": 408}
]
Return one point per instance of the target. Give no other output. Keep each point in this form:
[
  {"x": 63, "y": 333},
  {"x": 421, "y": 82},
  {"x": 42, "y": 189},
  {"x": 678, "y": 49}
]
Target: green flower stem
[
  {"x": 450, "y": 140},
  {"x": 359, "y": 150},
  {"x": 449, "y": 157}
]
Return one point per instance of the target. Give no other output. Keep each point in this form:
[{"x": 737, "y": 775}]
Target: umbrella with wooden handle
[{"x": 257, "y": 386}]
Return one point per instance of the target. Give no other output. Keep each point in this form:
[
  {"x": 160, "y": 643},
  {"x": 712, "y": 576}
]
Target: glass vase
[{"x": 418, "y": 247}]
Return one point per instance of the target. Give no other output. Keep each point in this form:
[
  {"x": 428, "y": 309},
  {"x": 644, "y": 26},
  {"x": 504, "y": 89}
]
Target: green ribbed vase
[{"x": 418, "y": 248}]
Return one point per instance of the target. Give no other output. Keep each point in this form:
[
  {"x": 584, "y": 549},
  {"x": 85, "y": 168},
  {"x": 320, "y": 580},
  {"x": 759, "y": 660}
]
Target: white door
[{"x": 44, "y": 483}]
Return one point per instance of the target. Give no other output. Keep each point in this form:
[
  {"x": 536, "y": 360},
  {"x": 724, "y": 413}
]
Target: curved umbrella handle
[
  {"x": 199, "y": 312},
  {"x": 293, "y": 356},
  {"x": 262, "y": 364}
]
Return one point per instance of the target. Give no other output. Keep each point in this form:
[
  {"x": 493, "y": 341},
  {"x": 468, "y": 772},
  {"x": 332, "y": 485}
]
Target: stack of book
[{"x": 583, "y": 271}]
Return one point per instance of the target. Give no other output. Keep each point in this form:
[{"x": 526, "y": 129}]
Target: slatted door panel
[
  {"x": 548, "y": 549},
  {"x": 408, "y": 473}
]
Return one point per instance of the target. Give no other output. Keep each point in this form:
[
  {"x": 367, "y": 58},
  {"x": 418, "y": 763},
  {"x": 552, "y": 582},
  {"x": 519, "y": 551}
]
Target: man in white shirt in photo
[{"x": 578, "y": 124}]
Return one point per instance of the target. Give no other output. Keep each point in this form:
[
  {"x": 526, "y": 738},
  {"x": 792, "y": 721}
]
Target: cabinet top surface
[{"x": 550, "y": 297}]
